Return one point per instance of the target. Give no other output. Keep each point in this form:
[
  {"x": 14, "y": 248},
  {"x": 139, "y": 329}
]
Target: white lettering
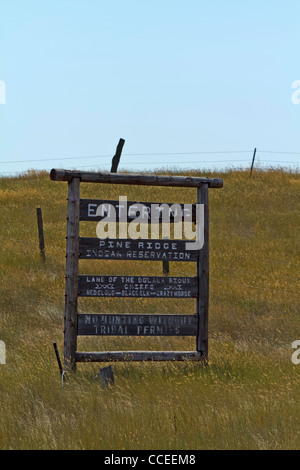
[
  {"x": 296, "y": 94},
  {"x": 296, "y": 354}
]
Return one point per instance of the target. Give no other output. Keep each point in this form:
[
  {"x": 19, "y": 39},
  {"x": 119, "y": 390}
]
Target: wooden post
[
  {"x": 203, "y": 278},
  {"x": 166, "y": 267},
  {"x": 106, "y": 377},
  {"x": 116, "y": 158},
  {"x": 70, "y": 342},
  {"x": 41, "y": 233},
  {"x": 58, "y": 359},
  {"x": 253, "y": 158}
]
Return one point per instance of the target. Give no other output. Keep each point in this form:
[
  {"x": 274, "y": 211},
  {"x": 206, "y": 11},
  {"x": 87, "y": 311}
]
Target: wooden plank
[
  {"x": 139, "y": 249},
  {"x": 137, "y": 286},
  {"x": 97, "y": 209},
  {"x": 135, "y": 179},
  {"x": 70, "y": 320},
  {"x": 136, "y": 325},
  {"x": 203, "y": 278},
  {"x": 113, "y": 356}
]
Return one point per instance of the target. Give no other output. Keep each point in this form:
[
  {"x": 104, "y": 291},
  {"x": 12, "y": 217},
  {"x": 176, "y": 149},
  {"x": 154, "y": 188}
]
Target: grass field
[{"x": 249, "y": 395}]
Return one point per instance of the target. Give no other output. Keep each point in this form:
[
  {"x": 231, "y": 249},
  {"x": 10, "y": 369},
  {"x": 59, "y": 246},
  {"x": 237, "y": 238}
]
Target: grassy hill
[{"x": 248, "y": 397}]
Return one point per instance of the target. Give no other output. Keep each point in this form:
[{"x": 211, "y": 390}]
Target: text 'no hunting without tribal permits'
[{"x": 136, "y": 325}]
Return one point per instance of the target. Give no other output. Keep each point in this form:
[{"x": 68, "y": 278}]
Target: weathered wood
[
  {"x": 113, "y": 356},
  {"x": 89, "y": 208},
  {"x": 203, "y": 278},
  {"x": 137, "y": 286},
  {"x": 139, "y": 249},
  {"x": 253, "y": 159},
  {"x": 41, "y": 233},
  {"x": 116, "y": 158},
  {"x": 106, "y": 376},
  {"x": 58, "y": 358},
  {"x": 132, "y": 249},
  {"x": 136, "y": 325},
  {"x": 166, "y": 268},
  {"x": 135, "y": 179},
  {"x": 70, "y": 337}
]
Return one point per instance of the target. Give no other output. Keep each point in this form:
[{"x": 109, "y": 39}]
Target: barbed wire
[
  {"x": 209, "y": 152},
  {"x": 127, "y": 154},
  {"x": 158, "y": 165},
  {"x": 214, "y": 152},
  {"x": 280, "y": 152}
]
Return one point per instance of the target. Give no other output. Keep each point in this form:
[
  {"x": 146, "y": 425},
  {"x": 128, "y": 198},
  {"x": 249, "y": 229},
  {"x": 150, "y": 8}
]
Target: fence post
[
  {"x": 166, "y": 268},
  {"x": 106, "y": 377},
  {"x": 41, "y": 233},
  {"x": 253, "y": 158},
  {"x": 58, "y": 359},
  {"x": 203, "y": 278},
  {"x": 116, "y": 158},
  {"x": 71, "y": 293}
]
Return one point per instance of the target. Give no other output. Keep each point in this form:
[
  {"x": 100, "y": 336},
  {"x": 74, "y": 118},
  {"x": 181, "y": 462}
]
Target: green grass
[{"x": 248, "y": 396}]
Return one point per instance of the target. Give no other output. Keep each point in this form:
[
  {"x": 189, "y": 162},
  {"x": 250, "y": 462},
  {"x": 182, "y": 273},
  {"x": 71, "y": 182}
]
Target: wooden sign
[
  {"x": 165, "y": 250},
  {"x": 137, "y": 325},
  {"x": 137, "y": 286},
  {"x": 97, "y": 209},
  {"x": 138, "y": 250}
]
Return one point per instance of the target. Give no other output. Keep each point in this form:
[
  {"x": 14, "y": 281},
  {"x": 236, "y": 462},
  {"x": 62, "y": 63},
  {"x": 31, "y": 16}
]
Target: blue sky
[{"x": 170, "y": 77}]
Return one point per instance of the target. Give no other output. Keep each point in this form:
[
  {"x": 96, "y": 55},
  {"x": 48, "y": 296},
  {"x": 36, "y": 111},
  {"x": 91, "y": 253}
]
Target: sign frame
[{"x": 74, "y": 178}]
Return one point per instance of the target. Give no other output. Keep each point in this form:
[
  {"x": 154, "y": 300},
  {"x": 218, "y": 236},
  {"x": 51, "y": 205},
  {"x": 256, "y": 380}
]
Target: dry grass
[{"x": 248, "y": 397}]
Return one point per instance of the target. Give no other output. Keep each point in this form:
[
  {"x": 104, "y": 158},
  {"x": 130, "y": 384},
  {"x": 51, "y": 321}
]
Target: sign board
[
  {"x": 97, "y": 209},
  {"x": 137, "y": 325},
  {"x": 139, "y": 249},
  {"x": 137, "y": 286},
  {"x": 133, "y": 249}
]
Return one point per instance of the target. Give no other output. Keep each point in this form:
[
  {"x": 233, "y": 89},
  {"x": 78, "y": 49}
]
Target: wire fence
[{"x": 260, "y": 160}]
